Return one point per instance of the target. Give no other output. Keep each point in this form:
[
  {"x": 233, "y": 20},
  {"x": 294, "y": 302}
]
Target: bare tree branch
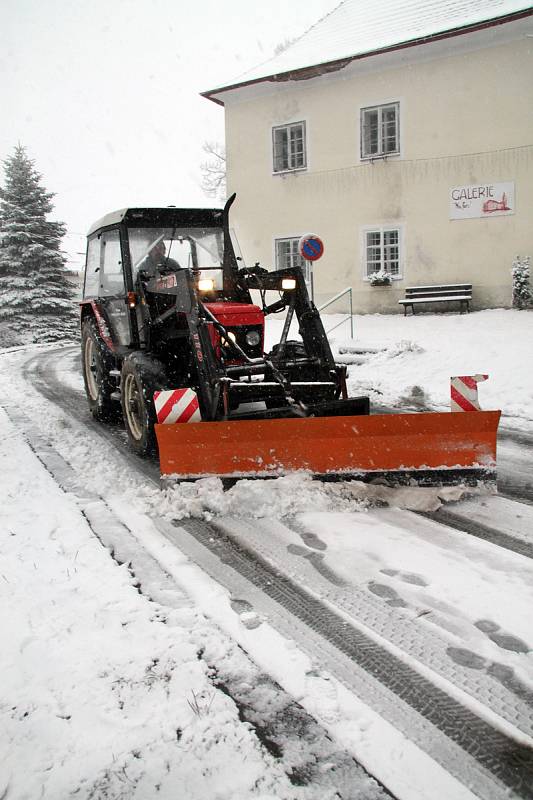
[{"x": 214, "y": 170}]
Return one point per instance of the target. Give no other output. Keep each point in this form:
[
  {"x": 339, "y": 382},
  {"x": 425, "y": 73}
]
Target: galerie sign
[{"x": 482, "y": 200}]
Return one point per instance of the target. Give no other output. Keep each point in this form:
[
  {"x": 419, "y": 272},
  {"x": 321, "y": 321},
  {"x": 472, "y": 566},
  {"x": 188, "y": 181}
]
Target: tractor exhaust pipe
[{"x": 230, "y": 267}]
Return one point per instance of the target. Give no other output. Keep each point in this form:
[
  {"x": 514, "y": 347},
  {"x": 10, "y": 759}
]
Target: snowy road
[{"x": 406, "y": 637}]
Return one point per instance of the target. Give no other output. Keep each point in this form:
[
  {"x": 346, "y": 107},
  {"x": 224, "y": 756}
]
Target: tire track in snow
[
  {"x": 465, "y": 744},
  {"x": 403, "y": 622},
  {"x": 41, "y": 372},
  {"x": 458, "y": 522}
]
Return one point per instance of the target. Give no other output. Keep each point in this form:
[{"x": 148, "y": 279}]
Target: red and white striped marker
[
  {"x": 177, "y": 405},
  {"x": 463, "y": 390}
]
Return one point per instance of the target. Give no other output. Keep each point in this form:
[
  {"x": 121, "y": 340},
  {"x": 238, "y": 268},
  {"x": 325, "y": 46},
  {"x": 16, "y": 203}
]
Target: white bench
[{"x": 442, "y": 293}]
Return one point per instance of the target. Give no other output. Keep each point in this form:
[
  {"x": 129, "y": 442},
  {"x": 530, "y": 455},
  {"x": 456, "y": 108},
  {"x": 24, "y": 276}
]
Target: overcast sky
[{"x": 104, "y": 94}]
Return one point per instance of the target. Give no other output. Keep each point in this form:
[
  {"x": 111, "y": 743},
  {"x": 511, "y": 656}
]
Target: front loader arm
[{"x": 203, "y": 358}]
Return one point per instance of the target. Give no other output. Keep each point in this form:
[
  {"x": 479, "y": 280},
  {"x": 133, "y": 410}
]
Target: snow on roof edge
[{"x": 332, "y": 65}]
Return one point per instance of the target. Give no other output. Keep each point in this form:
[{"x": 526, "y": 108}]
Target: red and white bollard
[
  {"x": 463, "y": 390},
  {"x": 177, "y": 405}
]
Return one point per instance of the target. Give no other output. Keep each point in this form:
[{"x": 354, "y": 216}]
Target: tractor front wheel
[{"x": 141, "y": 377}]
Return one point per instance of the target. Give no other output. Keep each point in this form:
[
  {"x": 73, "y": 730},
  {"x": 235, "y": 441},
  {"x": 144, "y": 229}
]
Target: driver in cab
[{"x": 157, "y": 261}]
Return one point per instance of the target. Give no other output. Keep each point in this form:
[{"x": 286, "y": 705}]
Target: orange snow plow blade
[{"x": 361, "y": 446}]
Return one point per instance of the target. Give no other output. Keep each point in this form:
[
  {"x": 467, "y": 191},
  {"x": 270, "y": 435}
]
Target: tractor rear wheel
[
  {"x": 96, "y": 363},
  {"x": 141, "y": 377}
]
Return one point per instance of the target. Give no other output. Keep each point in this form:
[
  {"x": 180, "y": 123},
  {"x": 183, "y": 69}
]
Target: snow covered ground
[{"x": 110, "y": 693}]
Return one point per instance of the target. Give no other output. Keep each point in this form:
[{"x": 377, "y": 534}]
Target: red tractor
[{"x": 172, "y": 335}]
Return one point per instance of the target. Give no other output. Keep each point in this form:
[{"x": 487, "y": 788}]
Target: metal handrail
[{"x": 333, "y": 300}]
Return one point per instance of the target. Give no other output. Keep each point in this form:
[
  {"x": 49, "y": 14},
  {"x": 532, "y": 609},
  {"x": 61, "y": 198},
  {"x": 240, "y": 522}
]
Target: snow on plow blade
[{"x": 449, "y": 445}]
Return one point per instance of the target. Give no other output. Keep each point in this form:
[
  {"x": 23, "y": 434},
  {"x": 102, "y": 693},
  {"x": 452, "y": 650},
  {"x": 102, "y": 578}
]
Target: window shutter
[{"x": 281, "y": 149}]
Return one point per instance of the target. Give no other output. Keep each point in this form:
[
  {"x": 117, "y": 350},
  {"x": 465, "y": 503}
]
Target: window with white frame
[
  {"x": 287, "y": 255},
  {"x": 382, "y": 251},
  {"x": 288, "y": 145},
  {"x": 380, "y": 131}
]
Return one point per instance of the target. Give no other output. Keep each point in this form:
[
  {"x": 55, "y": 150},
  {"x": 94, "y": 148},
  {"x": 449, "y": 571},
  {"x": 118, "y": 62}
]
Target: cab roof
[{"x": 168, "y": 216}]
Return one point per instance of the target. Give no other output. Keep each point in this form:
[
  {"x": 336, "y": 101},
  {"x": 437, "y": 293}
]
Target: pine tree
[
  {"x": 522, "y": 291},
  {"x": 36, "y": 297}
]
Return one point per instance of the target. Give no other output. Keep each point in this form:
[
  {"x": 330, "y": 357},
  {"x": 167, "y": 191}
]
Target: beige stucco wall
[{"x": 466, "y": 118}]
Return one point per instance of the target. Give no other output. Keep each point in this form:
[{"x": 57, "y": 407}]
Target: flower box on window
[{"x": 380, "y": 278}]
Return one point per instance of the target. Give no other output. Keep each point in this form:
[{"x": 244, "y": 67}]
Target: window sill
[
  {"x": 289, "y": 171},
  {"x": 384, "y": 157},
  {"x": 394, "y": 279}
]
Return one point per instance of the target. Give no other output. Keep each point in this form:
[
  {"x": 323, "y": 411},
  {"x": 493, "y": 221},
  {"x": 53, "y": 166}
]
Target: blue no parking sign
[{"x": 311, "y": 247}]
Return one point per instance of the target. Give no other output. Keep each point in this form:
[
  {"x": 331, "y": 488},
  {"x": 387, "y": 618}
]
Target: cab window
[
  {"x": 111, "y": 274},
  {"x": 92, "y": 269}
]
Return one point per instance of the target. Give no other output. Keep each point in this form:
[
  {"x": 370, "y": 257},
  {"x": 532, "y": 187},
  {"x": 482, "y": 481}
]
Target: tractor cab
[{"x": 133, "y": 256}]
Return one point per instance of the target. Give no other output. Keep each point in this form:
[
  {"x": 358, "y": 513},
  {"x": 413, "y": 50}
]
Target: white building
[{"x": 400, "y": 132}]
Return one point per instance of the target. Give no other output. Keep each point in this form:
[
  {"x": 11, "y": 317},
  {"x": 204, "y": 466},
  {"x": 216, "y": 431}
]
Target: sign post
[{"x": 311, "y": 248}]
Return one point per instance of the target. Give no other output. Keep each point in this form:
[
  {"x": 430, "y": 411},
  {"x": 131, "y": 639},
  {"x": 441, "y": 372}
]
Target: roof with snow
[{"x": 358, "y": 28}]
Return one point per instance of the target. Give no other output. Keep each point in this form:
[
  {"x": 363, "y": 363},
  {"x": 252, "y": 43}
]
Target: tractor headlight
[
  {"x": 287, "y": 284},
  {"x": 253, "y": 338},
  {"x": 206, "y": 285}
]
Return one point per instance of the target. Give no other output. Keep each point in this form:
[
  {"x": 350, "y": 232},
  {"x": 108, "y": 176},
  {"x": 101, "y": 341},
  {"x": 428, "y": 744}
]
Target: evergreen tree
[
  {"x": 522, "y": 291},
  {"x": 36, "y": 297}
]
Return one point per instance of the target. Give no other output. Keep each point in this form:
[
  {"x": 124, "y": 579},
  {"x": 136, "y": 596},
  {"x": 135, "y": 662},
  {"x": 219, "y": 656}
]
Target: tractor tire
[
  {"x": 97, "y": 361},
  {"x": 293, "y": 349},
  {"x": 141, "y": 376}
]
